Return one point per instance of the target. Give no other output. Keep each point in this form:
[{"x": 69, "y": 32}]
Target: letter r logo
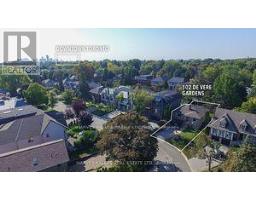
[{"x": 29, "y": 48}]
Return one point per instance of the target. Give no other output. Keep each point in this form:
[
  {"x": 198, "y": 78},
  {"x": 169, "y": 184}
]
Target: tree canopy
[
  {"x": 241, "y": 160},
  {"x": 141, "y": 99},
  {"x": 127, "y": 138},
  {"x": 36, "y": 95}
]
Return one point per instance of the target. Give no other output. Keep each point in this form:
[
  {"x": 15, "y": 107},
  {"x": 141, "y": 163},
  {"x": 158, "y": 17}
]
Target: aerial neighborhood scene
[{"x": 154, "y": 100}]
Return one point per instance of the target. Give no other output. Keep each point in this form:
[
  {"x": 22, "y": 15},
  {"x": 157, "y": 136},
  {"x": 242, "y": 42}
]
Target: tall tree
[
  {"x": 241, "y": 160},
  {"x": 85, "y": 119},
  {"x": 13, "y": 82},
  {"x": 52, "y": 99},
  {"x": 68, "y": 96},
  {"x": 78, "y": 106},
  {"x": 249, "y": 105},
  {"x": 127, "y": 138},
  {"x": 229, "y": 89},
  {"x": 36, "y": 95},
  {"x": 85, "y": 73},
  {"x": 141, "y": 99}
]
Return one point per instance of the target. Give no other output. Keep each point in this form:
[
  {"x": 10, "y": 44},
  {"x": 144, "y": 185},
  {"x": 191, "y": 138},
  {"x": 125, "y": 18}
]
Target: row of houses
[
  {"x": 226, "y": 126},
  {"x": 121, "y": 98},
  {"x": 32, "y": 140},
  {"x": 158, "y": 82}
]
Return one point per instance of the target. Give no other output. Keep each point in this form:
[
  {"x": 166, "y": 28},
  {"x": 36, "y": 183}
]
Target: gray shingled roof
[
  {"x": 176, "y": 80},
  {"x": 193, "y": 111},
  {"x": 96, "y": 90},
  {"x": 35, "y": 158},
  {"x": 15, "y": 113},
  {"x": 233, "y": 120},
  {"x": 24, "y": 128}
]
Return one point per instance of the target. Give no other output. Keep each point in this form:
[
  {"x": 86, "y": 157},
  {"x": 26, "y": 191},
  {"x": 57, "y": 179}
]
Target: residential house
[
  {"x": 9, "y": 103},
  {"x": 157, "y": 83},
  {"x": 190, "y": 116},
  {"x": 123, "y": 98},
  {"x": 232, "y": 127},
  {"x": 174, "y": 82},
  {"x": 32, "y": 137},
  {"x": 119, "y": 97},
  {"x": 4, "y": 93},
  {"x": 49, "y": 83},
  {"x": 70, "y": 83},
  {"x": 93, "y": 84},
  {"x": 48, "y": 156},
  {"x": 162, "y": 104},
  {"x": 144, "y": 79},
  {"x": 95, "y": 94}
]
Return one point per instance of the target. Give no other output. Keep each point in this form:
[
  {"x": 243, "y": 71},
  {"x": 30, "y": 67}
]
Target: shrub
[{"x": 87, "y": 140}]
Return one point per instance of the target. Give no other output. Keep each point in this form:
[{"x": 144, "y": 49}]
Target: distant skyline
[{"x": 149, "y": 43}]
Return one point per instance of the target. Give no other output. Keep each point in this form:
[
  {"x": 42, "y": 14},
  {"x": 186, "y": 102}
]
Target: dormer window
[
  {"x": 243, "y": 125},
  {"x": 223, "y": 122}
]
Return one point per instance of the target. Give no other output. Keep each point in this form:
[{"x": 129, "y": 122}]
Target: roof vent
[{"x": 35, "y": 162}]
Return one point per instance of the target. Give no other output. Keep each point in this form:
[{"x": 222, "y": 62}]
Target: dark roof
[
  {"x": 167, "y": 96},
  {"x": 176, "y": 80},
  {"x": 233, "y": 120},
  {"x": 58, "y": 116},
  {"x": 144, "y": 77},
  {"x": 93, "y": 84},
  {"x": 96, "y": 90},
  {"x": 193, "y": 111},
  {"x": 16, "y": 113},
  {"x": 157, "y": 80},
  {"x": 35, "y": 158},
  {"x": 20, "y": 102},
  {"x": 166, "y": 93}
]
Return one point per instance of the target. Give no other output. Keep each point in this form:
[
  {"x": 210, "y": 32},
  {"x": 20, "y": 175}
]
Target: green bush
[
  {"x": 87, "y": 140},
  {"x": 74, "y": 130}
]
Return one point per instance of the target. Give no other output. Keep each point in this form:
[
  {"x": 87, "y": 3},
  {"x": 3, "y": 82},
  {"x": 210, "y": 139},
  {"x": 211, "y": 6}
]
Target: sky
[{"x": 148, "y": 44}]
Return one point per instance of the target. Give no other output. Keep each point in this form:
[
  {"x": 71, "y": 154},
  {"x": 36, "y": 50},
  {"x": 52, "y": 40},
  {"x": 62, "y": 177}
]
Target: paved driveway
[
  {"x": 98, "y": 122},
  {"x": 60, "y": 106},
  {"x": 170, "y": 159}
]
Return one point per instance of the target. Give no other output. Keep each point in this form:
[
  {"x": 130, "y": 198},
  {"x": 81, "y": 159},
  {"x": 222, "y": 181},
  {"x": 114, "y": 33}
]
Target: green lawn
[
  {"x": 183, "y": 138},
  {"x": 195, "y": 148}
]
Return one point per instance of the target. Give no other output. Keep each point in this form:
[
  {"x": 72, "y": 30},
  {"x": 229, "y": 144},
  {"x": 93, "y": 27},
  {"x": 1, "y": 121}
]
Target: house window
[
  {"x": 223, "y": 123},
  {"x": 243, "y": 127}
]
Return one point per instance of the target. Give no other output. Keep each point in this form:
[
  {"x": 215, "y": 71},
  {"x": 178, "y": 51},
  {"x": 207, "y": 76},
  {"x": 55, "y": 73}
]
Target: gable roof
[
  {"x": 193, "y": 111},
  {"x": 157, "y": 81},
  {"x": 96, "y": 90},
  {"x": 176, "y": 80},
  {"x": 233, "y": 121},
  {"x": 167, "y": 95},
  {"x": 35, "y": 158},
  {"x": 93, "y": 84},
  {"x": 58, "y": 116},
  {"x": 24, "y": 128},
  {"x": 146, "y": 77}
]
